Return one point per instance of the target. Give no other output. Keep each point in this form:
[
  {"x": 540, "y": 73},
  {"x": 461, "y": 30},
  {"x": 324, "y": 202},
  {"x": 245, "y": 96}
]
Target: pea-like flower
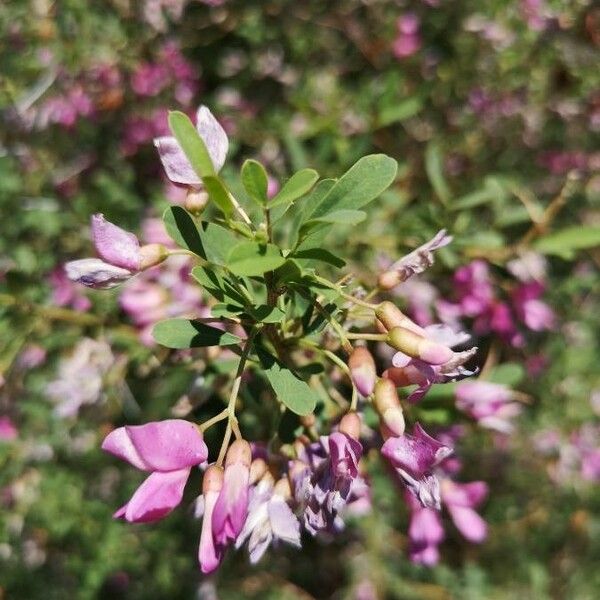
[{"x": 168, "y": 450}]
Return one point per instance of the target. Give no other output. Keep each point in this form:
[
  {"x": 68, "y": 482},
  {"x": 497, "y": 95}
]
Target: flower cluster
[{"x": 265, "y": 495}]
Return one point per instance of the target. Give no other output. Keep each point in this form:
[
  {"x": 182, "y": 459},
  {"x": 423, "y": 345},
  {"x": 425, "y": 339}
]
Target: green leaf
[
  {"x": 182, "y": 229},
  {"x": 346, "y": 217},
  {"x": 400, "y": 111},
  {"x": 291, "y": 391},
  {"x": 255, "y": 181},
  {"x": 566, "y": 242},
  {"x": 251, "y": 259},
  {"x": 191, "y": 143},
  {"x": 435, "y": 172},
  {"x": 223, "y": 309},
  {"x": 217, "y": 242},
  {"x": 320, "y": 254},
  {"x": 185, "y": 333},
  {"x": 267, "y": 314},
  {"x": 216, "y": 285},
  {"x": 361, "y": 184},
  {"x": 295, "y": 187},
  {"x": 218, "y": 194}
]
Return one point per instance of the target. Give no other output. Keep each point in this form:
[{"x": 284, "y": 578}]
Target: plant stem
[
  {"x": 348, "y": 297},
  {"x": 212, "y": 421},
  {"x": 373, "y": 337},
  {"x": 232, "y": 422}
]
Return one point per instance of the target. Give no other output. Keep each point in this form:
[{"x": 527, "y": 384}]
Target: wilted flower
[
  {"x": 168, "y": 449},
  {"x": 414, "y": 263}
]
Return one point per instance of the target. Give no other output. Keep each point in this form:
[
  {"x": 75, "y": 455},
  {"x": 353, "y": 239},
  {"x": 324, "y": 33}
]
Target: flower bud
[
  {"x": 391, "y": 316},
  {"x": 388, "y": 280},
  {"x": 350, "y": 425},
  {"x": 362, "y": 370},
  {"x": 388, "y": 406},
  {"x": 258, "y": 469},
  {"x": 213, "y": 479},
  {"x": 151, "y": 255},
  {"x": 239, "y": 452},
  {"x": 196, "y": 201},
  {"x": 416, "y": 346}
]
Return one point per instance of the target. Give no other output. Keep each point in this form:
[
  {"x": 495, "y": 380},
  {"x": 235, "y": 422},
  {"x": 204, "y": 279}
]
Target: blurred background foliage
[{"x": 493, "y": 113}]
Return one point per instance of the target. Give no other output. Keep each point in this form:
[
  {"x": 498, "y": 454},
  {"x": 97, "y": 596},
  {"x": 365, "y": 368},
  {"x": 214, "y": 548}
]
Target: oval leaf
[
  {"x": 251, "y": 258},
  {"x": 191, "y": 143},
  {"x": 186, "y": 333},
  {"x": 254, "y": 180},
  {"x": 295, "y": 187}
]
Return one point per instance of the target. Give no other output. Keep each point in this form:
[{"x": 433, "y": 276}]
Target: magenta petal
[
  {"x": 159, "y": 446},
  {"x": 156, "y": 497},
  {"x": 231, "y": 508},
  {"x": 175, "y": 162},
  {"x": 115, "y": 245},
  {"x": 345, "y": 454},
  {"x": 469, "y": 523},
  {"x": 464, "y": 494},
  {"x": 209, "y": 555}
]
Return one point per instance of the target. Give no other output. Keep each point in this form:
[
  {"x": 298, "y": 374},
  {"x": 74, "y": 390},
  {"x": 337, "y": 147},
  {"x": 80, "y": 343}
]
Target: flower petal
[
  {"x": 469, "y": 523},
  {"x": 209, "y": 554},
  {"x": 115, "y": 245},
  {"x": 95, "y": 273},
  {"x": 156, "y": 497},
  {"x": 213, "y": 135},
  {"x": 175, "y": 162},
  {"x": 159, "y": 446}
]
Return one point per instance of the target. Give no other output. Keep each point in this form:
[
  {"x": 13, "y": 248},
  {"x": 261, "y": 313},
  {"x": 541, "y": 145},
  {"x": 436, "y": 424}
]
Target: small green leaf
[
  {"x": 361, "y": 184},
  {"x": 435, "y": 172},
  {"x": 295, "y": 187},
  {"x": 191, "y": 143},
  {"x": 255, "y": 181},
  {"x": 399, "y": 111},
  {"x": 216, "y": 285},
  {"x": 346, "y": 217},
  {"x": 218, "y": 194},
  {"x": 182, "y": 229},
  {"x": 566, "y": 242},
  {"x": 226, "y": 310},
  {"x": 185, "y": 333},
  {"x": 320, "y": 254},
  {"x": 252, "y": 259},
  {"x": 291, "y": 391}
]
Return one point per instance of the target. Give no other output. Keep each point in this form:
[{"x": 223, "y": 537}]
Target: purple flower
[
  {"x": 65, "y": 293},
  {"x": 120, "y": 253},
  {"x": 168, "y": 450},
  {"x": 408, "y": 40},
  {"x": 326, "y": 477},
  {"x": 8, "y": 431},
  {"x": 176, "y": 164},
  {"x": 231, "y": 508},
  {"x": 270, "y": 519},
  {"x": 414, "y": 263},
  {"x": 414, "y": 457}
]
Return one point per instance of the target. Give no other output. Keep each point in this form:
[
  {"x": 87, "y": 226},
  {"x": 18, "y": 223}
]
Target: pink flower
[
  {"x": 425, "y": 532},
  {"x": 490, "y": 404},
  {"x": 176, "y": 164},
  {"x": 231, "y": 507},
  {"x": 414, "y": 457},
  {"x": 210, "y": 553},
  {"x": 8, "y": 431},
  {"x": 461, "y": 499},
  {"x": 168, "y": 450},
  {"x": 408, "y": 40},
  {"x": 535, "y": 313},
  {"x": 65, "y": 293}
]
